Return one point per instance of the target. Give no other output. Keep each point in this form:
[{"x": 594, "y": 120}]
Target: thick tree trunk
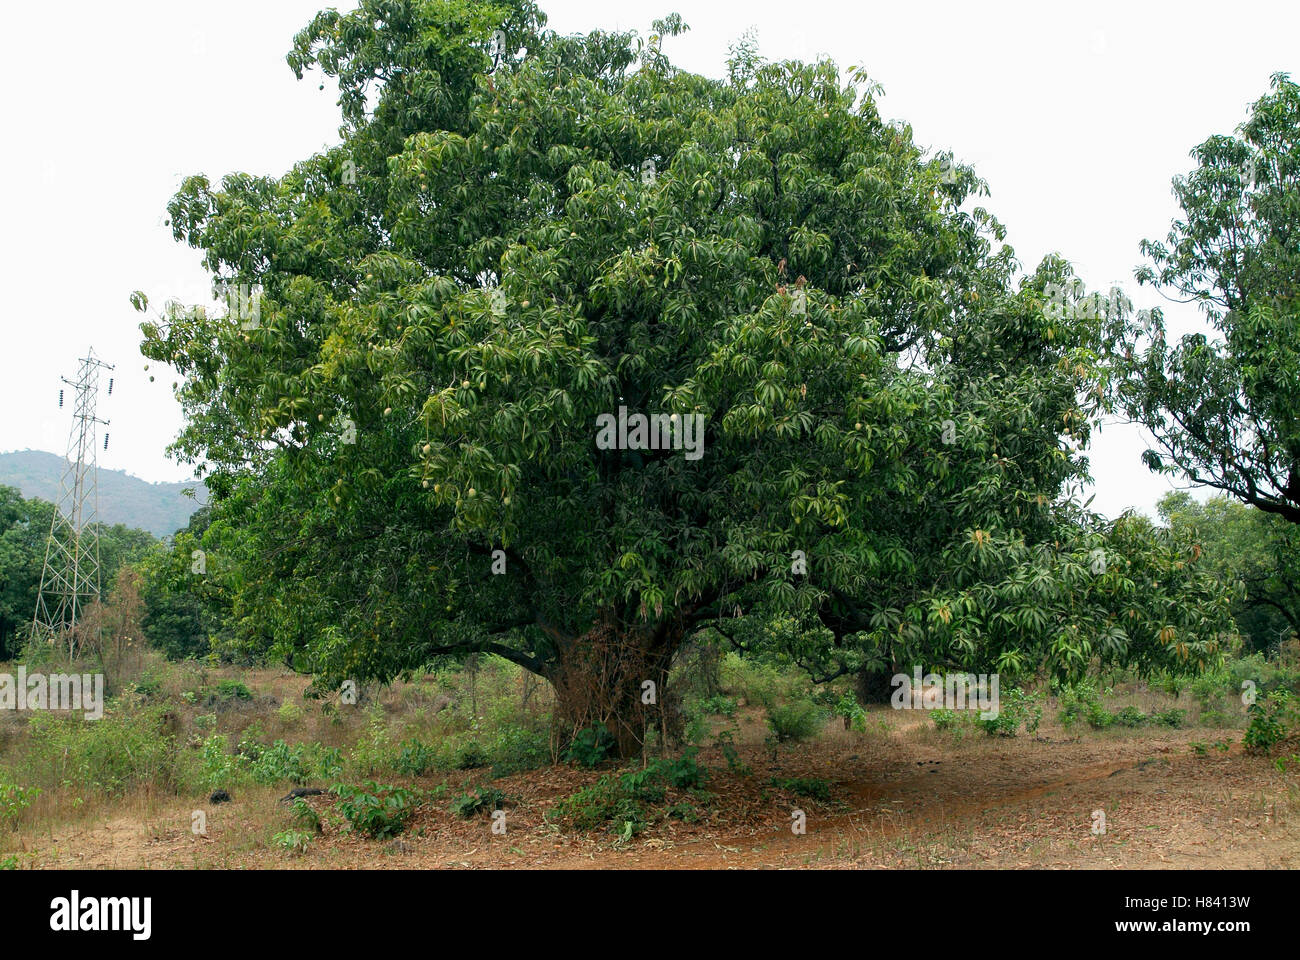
[
  {"x": 600, "y": 678},
  {"x": 873, "y": 684}
]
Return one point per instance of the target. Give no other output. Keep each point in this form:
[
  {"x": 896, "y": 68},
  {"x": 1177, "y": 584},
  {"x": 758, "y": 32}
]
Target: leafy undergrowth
[
  {"x": 629, "y": 802},
  {"x": 666, "y": 799}
]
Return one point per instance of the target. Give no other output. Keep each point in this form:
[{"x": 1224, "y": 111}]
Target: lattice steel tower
[{"x": 70, "y": 577}]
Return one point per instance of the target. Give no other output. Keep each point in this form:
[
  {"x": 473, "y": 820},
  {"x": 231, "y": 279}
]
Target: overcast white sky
[{"x": 1076, "y": 114}]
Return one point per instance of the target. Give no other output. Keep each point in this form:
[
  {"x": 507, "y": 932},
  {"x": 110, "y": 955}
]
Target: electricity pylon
[{"x": 70, "y": 577}]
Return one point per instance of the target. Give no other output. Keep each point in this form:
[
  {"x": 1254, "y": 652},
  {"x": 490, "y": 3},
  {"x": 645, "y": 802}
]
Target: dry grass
[{"x": 903, "y": 794}]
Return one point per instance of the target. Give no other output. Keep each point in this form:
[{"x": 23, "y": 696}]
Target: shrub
[
  {"x": 797, "y": 720},
  {"x": 596, "y": 804},
  {"x": 759, "y": 683},
  {"x": 250, "y": 746},
  {"x": 1015, "y": 709},
  {"x": 306, "y": 817},
  {"x": 292, "y": 841},
  {"x": 414, "y": 758},
  {"x": 149, "y": 685},
  {"x": 1078, "y": 701},
  {"x": 1099, "y": 718},
  {"x": 374, "y": 752},
  {"x": 682, "y": 772},
  {"x": 685, "y": 812},
  {"x": 618, "y": 800},
  {"x": 484, "y": 798},
  {"x": 697, "y": 729},
  {"x": 1130, "y": 717},
  {"x": 726, "y": 743},
  {"x": 517, "y": 748},
  {"x": 1170, "y": 718},
  {"x": 717, "y": 705},
  {"x": 855, "y": 717},
  {"x": 590, "y": 746},
  {"x": 944, "y": 719},
  {"x": 233, "y": 690},
  {"x": 815, "y": 788},
  {"x": 14, "y": 800},
  {"x": 280, "y": 763},
  {"x": 470, "y": 755},
  {"x": 215, "y": 766},
  {"x": 1270, "y": 721},
  {"x": 329, "y": 763},
  {"x": 377, "y": 811}
]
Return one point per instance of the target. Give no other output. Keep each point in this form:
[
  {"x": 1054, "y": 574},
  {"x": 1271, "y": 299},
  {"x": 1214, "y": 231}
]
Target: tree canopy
[
  {"x": 24, "y": 529},
  {"x": 521, "y": 233},
  {"x": 1256, "y": 551}
]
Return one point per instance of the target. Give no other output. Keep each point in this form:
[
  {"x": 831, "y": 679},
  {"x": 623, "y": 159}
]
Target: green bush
[
  {"x": 683, "y": 811},
  {"x": 14, "y": 800},
  {"x": 619, "y": 800},
  {"x": 1270, "y": 721},
  {"x": 414, "y": 758},
  {"x": 815, "y": 788},
  {"x": 1131, "y": 717},
  {"x": 484, "y": 798},
  {"x": 470, "y": 755},
  {"x": 797, "y": 720},
  {"x": 1016, "y": 709},
  {"x": 281, "y": 763},
  {"x": 149, "y": 685},
  {"x": 329, "y": 762},
  {"x": 250, "y": 746},
  {"x": 292, "y": 841},
  {"x": 847, "y": 706},
  {"x": 590, "y": 746},
  {"x": 516, "y": 748},
  {"x": 374, "y": 753},
  {"x": 1078, "y": 701},
  {"x": 1170, "y": 718},
  {"x": 682, "y": 772},
  {"x": 305, "y": 816},
  {"x": 944, "y": 719},
  {"x": 1099, "y": 718},
  {"x": 716, "y": 705},
  {"x": 761, "y": 684},
  {"x": 233, "y": 690},
  {"x": 726, "y": 742},
  {"x": 374, "y": 810},
  {"x": 596, "y": 805},
  {"x": 211, "y": 767}
]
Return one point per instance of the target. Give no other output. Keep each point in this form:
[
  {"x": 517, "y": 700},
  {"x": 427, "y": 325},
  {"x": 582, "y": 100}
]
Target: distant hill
[{"x": 160, "y": 508}]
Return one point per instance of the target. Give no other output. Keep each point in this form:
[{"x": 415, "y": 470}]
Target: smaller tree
[
  {"x": 1257, "y": 552},
  {"x": 1226, "y": 412},
  {"x": 111, "y": 630},
  {"x": 185, "y": 603},
  {"x": 24, "y": 525}
]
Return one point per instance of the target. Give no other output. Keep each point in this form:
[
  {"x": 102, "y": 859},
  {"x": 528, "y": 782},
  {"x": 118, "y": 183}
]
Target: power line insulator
[
  {"x": 105, "y": 441},
  {"x": 60, "y": 399},
  {"x": 110, "y": 386}
]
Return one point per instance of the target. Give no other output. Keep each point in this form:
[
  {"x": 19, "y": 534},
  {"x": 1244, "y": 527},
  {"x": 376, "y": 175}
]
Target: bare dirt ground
[{"x": 903, "y": 795}]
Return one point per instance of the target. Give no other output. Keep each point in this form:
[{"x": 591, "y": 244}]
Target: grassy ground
[{"x": 896, "y": 791}]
